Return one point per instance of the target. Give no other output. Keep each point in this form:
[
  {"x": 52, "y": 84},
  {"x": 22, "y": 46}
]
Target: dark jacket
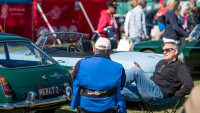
[
  {"x": 173, "y": 79},
  {"x": 173, "y": 29},
  {"x": 193, "y": 20},
  {"x": 98, "y": 73}
]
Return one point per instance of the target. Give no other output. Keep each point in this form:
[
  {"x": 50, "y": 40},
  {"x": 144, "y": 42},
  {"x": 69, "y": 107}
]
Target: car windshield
[
  {"x": 59, "y": 39},
  {"x": 15, "y": 54}
]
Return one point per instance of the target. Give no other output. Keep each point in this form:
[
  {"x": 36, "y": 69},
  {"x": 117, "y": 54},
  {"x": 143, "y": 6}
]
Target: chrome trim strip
[{"x": 9, "y": 106}]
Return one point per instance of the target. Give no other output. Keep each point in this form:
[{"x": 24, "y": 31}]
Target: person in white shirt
[{"x": 134, "y": 26}]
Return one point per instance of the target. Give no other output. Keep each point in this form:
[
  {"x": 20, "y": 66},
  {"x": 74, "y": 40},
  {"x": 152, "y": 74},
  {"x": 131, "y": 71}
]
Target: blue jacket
[
  {"x": 98, "y": 73},
  {"x": 173, "y": 29}
]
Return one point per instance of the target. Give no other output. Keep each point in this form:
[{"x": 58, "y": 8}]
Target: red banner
[
  {"x": 66, "y": 15},
  {"x": 63, "y": 15},
  {"x": 16, "y": 19},
  {"x": 60, "y": 15}
]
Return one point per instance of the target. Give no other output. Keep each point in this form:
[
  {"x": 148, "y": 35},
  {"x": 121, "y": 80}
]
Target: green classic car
[
  {"x": 191, "y": 51},
  {"x": 30, "y": 80}
]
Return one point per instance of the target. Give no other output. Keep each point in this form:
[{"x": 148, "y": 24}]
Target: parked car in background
[
  {"x": 191, "y": 51},
  {"x": 67, "y": 48},
  {"x": 30, "y": 80}
]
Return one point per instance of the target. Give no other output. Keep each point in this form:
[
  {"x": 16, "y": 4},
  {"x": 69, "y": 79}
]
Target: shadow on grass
[
  {"x": 132, "y": 107},
  {"x": 65, "y": 111}
]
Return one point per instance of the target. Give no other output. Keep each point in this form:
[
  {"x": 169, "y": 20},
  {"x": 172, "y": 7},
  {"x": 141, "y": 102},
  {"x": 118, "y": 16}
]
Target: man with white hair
[
  {"x": 98, "y": 81},
  {"x": 171, "y": 77}
]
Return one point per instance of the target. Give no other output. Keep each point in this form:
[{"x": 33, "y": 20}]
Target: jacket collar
[{"x": 103, "y": 55}]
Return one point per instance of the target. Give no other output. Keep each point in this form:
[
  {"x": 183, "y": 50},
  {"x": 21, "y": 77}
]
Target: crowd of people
[
  {"x": 142, "y": 21},
  {"x": 99, "y": 81},
  {"x": 187, "y": 17}
]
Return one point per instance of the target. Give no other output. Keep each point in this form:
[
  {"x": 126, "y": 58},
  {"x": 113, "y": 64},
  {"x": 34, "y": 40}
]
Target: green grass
[{"x": 133, "y": 107}]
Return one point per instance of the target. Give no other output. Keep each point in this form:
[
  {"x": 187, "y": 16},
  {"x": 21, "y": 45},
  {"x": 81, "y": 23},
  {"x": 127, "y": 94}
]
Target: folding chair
[
  {"x": 131, "y": 94},
  {"x": 173, "y": 102}
]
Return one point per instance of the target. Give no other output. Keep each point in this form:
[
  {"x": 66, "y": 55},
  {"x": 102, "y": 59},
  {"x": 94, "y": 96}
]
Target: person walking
[
  {"x": 134, "y": 25},
  {"x": 107, "y": 25},
  {"x": 193, "y": 16},
  {"x": 174, "y": 32},
  {"x": 149, "y": 17},
  {"x": 160, "y": 17},
  {"x": 98, "y": 81}
]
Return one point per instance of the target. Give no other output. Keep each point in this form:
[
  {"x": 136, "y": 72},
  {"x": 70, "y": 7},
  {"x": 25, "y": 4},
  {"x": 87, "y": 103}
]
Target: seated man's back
[{"x": 98, "y": 82}]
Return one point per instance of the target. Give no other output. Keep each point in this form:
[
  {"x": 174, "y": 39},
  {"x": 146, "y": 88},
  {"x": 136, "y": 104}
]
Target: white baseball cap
[{"x": 103, "y": 43}]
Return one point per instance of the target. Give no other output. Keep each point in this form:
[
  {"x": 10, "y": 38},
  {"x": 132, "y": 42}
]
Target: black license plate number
[{"x": 48, "y": 91}]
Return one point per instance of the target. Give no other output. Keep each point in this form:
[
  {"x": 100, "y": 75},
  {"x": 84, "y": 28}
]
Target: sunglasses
[{"x": 167, "y": 50}]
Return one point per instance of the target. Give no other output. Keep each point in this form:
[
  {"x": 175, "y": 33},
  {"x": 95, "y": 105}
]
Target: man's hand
[
  {"x": 145, "y": 37},
  {"x": 190, "y": 38}
]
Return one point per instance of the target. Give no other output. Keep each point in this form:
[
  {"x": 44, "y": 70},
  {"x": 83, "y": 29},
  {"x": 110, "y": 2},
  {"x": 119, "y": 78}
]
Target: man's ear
[{"x": 176, "y": 53}]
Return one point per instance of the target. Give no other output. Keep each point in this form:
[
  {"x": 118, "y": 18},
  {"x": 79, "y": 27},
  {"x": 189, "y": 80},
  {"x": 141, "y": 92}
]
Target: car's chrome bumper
[{"x": 36, "y": 103}]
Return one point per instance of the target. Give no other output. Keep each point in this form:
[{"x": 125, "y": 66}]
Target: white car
[{"x": 67, "y": 48}]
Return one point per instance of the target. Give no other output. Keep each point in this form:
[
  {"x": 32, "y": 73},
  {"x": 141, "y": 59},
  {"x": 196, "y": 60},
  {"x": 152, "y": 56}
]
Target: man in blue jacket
[{"x": 98, "y": 81}]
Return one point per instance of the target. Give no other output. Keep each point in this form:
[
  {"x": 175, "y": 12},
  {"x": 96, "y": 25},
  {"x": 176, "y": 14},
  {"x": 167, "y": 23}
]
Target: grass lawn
[{"x": 133, "y": 107}]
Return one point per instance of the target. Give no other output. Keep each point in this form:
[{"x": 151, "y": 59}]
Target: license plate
[{"x": 48, "y": 91}]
